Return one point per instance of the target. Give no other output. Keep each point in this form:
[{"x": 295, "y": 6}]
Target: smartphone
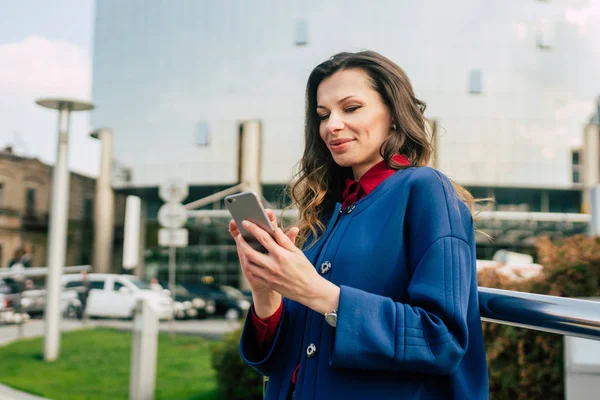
[{"x": 247, "y": 206}]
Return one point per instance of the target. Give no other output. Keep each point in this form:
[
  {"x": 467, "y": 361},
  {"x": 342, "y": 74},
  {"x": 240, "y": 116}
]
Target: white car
[{"x": 115, "y": 296}]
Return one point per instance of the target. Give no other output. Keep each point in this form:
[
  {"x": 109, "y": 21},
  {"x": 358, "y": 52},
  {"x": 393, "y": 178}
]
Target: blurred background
[{"x": 207, "y": 98}]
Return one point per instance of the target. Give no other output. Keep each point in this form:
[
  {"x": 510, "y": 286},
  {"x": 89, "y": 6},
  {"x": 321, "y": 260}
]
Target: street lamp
[
  {"x": 104, "y": 204},
  {"x": 57, "y": 232}
]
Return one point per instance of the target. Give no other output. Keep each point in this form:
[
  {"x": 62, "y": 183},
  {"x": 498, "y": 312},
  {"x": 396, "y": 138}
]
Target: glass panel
[
  {"x": 565, "y": 201},
  {"x": 202, "y": 134},
  {"x": 30, "y": 199},
  {"x": 301, "y": 34},
  {"x": 88, "y": 209},
  {"x": 575, "y": 157},
  {"x": 475, "y": 82},
  {"x": 576, "y": 175}
]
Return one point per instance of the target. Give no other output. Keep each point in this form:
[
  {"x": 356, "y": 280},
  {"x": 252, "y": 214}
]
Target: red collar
[{"x": 356, "y": 190}]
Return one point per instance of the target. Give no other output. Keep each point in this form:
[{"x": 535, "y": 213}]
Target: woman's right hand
[{"x": 266, "y": 301}]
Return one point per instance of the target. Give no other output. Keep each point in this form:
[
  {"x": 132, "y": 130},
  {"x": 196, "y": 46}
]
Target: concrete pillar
[
  {"x": 591, "y": 155},
  {"x": 594, "y": 227},
  {"x": 131, "y": 235},
  {"x": 250, "y": 155},
  {"x": 250, "y": 164},
  {"x": 139, "y": 271},
  {"x": 591, "y": 162},
  {"x": 143, "y": 353},
  {"x": 104, "y": 206},
  {"x": 431, "y": 129}
]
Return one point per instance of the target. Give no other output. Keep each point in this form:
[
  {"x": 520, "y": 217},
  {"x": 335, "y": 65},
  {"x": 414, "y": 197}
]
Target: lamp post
[
  {"x": 104, "y": 205},
  {"x": 57, "y": 232}
]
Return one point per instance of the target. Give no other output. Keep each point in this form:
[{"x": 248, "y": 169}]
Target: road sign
[
  {"x": 175, "y": 190},
  {"x": 172, "y": 215},
  {"x": 173, "y": 237}
]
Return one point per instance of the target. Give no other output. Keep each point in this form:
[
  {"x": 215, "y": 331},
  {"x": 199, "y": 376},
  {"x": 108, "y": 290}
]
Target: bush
[
  {"x": 235, "y": 380},
  {"x": 525, "y": 364}
]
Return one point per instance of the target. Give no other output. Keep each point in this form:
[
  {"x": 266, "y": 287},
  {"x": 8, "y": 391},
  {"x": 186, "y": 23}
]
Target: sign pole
[
  {"x": 172, "y": 217},
  {"x": 172, "y": 288}
]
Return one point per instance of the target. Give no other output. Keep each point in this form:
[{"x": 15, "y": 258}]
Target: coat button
[
  {"x": 311, "y": 350},
  {"x": 325, "y": 267},
  {"x": 350, "y": 208}
]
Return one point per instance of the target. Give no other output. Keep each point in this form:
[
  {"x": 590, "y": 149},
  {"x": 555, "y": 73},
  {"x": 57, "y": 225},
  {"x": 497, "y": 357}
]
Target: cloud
[
  {"x": 34, "y": 68},
  {"x": 37, "y": 65},
  {"x": 581, "y": 16},
  {"x": 521, "y": 30}
]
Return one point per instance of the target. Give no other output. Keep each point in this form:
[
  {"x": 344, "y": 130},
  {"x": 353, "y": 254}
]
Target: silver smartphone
[{"x": 247, "y": 206}]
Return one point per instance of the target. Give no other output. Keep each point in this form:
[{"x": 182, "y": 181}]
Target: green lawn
[{"x": 94, "y": 364}]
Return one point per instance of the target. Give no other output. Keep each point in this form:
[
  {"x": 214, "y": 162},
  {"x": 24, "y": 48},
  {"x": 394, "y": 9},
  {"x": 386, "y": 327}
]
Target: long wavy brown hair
[{"x": 319, "y": 182}]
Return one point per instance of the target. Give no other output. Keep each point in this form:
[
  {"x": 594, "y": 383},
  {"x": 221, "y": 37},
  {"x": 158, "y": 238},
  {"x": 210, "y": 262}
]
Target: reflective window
[
  {"x": 475, "y": 82},
  {"x": 202, "y": 134},
  {"x": 576, "y": 166},
  {"x": 97, "y": 285},
  {"x": 301, "y": 33}
]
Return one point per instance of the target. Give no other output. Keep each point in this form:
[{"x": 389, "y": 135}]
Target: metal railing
[
  {"x": 39, "y": 271},
  {"x": 561, "y": 315}
]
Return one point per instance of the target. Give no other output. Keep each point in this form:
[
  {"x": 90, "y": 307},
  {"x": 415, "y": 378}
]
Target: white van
[{"x": 115, "y": 296}]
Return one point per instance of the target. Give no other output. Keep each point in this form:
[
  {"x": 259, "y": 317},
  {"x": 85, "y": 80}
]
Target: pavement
[
  {"x": 7, "y": 393},
  {"x": 213, "y": 329}
]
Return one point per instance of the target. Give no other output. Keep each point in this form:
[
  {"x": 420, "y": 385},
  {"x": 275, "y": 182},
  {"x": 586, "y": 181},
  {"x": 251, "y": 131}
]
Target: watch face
[{"x": 331, "y": 319}]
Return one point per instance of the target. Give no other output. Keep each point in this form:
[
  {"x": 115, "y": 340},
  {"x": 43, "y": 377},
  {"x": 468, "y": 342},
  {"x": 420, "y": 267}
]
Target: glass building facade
[{"x": 508, "y": 86}]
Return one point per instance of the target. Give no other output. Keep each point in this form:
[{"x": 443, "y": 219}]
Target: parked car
[
  {"x": 116, "y": 296},
  {"x": 226, "y": 305},
  {"x": 6, "y": 310},
  {"x": 247, "y": 293},
  {"x": 238, "y": 293},
  {"x": 32, "y": 300},
  {"x": 190, "y": 306}
]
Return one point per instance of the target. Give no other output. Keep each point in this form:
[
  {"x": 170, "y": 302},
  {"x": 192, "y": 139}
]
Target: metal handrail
[
  {"x": 561, "y": 315},
  {"x": 39, "y": 271}
]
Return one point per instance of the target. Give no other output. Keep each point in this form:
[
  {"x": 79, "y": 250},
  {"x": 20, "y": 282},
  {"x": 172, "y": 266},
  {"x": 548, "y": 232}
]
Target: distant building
[
  {"x": 25, "y": 193},
  {"x": 507, "y": 86}
]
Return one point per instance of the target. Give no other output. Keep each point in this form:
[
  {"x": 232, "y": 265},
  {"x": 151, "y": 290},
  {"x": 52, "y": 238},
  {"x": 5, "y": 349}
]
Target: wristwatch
[{"x": 331, "y": 318}]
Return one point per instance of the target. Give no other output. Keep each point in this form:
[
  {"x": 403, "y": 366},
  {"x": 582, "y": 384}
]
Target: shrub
[
  {"x": 526, "y": 364},
  {"x": 235, "y": 380}
]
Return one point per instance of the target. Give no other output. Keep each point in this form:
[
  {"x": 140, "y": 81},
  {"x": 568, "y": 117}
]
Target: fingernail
[{"x": 245, "y": 223}]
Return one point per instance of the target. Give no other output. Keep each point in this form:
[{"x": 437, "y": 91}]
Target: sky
[{"x": 46, "y": 51}]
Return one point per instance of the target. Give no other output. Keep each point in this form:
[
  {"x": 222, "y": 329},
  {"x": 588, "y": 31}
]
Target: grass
[{"x": 95, "y": 364}]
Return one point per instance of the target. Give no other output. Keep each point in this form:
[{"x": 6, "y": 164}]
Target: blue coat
[{"x": 408, "y": 322}]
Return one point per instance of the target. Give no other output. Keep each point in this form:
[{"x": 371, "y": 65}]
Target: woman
[
  {"x": 381, "y": 302},
  {"x": 21, "y": 256}
]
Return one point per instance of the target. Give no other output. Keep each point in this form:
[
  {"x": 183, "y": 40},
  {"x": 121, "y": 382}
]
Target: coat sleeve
[
  {"x": 427, "y": 333},
  {"x": 249, "y": 343}
]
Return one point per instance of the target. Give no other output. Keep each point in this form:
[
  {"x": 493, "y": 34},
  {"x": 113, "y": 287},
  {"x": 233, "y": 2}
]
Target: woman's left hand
[{"x": 286, "y": 270}]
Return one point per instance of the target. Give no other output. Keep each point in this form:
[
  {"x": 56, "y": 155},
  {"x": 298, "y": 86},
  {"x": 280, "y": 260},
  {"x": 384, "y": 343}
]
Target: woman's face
[{"x": 354, "y": 120}]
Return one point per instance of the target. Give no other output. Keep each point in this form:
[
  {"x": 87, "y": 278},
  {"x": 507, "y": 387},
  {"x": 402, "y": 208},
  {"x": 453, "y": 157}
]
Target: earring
[{"x": 393, "y": 127}]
